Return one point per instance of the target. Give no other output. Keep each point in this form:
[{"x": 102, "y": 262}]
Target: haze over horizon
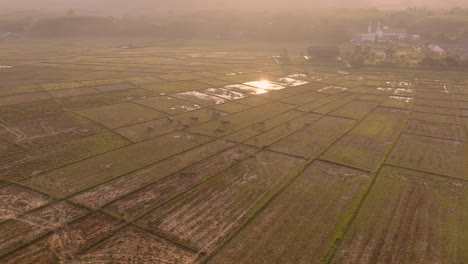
[{"x": 154, "y": 6}]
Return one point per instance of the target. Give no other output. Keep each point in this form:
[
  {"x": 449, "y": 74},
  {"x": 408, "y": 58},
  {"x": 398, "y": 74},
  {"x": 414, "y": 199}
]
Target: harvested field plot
[
  {"x": 168, "y": 104},
  {"x": 133, "y": 245},
  {"x": 231, "y": 107},
  {"x": 8, "y": 148},
  {"x": 78, "y": 176},
  {"x": 364, "y": 146},
  {"x": 308, "y": 107},
  {"x": 175, "y": 87},
  {"x": 150, "y": 129},
  {"x": 87, "y": 101},
  {"x": 313, "y": 139},
  {"x": 109, "y": 191},
  {"x": 396, "y": 101},
  {"x": 131, "y": 95},
  {"x": 115, "y": 87},
  {"x": 25, "y": 228},
  {"x": 73, "y": 92},
  {"x": 37, "y": 252},
  {"x": 153, "y": 195},
  {"x": 36, "y": 161},
  {"x": 296, "y": 227},
  {"x": 408, "y": 217},
  {"x": 447, "y": 119},
  {"x": 48, "y": 130},
  {"x": 65, "y": 242},
  {"x": 254, "y": 100},
  {"x": 303, "y": 98},
  {"x": 223, "y": 203},
  {"x": 237, "y": 121},
  {"x": 435, "y": 103},
  {"x": 271, "y": 136},
  {"x": 356, "y": 109},
  {"x": 432, "y": 129},
  {"x": 29, "y": 110},
  {"x": 429, "y": 154},
  {"x": 262, "y": 126},
  {"x": 199, "y": 116},
  {"x": 23, "y": 98},
  {"x": 16, "y": 200},
  {"x": 119, "y": 115},
  {"x": 434, "y": 110},
  {"x": 329, "y": 107}
]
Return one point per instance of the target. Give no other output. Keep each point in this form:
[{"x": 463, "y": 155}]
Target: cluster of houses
[{"x": 386, "y": 34}]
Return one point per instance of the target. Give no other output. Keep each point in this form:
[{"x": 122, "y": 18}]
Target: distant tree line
[{"x": 326, "y": 26}]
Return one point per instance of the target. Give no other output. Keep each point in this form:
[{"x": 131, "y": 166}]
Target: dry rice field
[{"x": 200, "y": 154}]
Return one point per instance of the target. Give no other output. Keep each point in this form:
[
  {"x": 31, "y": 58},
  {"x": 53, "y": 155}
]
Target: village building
[
  {"x": 383, "y": 34},
  {"x": 432, "y": 49}
]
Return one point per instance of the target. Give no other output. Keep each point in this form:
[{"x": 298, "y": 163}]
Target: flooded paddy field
[{"x": 218, "y": 155}]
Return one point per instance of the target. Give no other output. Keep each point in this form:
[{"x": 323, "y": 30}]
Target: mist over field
[{"x": 155, "y": 6}]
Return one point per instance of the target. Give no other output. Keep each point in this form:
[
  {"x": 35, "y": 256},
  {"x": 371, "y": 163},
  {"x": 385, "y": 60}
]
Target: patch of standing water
[
  {"x": 297, "y": 75},
  {"x": 233, "y": 73},
  {"x": 207, "y": 97},
  {"x": 332, "y": 87},
  {"x": 5, "y": 67},
  {"x": 385, "y": 89},
  {"x": 398, "y": 84},
  {"x": 225, "y": 93},
  {"x": 245, "y": 89},
  {"x": 265, "y": 85},
  {"x": 402, "y": 91},
  {"x": 401, "y": 98},
  {"x": 187, "y": 108},
  {"x": 291, "y": 82},
  {"x": 445, "y": 89}
]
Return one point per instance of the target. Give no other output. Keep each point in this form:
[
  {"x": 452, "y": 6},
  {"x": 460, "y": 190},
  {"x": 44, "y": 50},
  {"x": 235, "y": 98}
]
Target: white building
[{"x": 385, "y": 33}]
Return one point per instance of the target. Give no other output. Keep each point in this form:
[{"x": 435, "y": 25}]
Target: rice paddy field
[{"x": 202, "y": 154}]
